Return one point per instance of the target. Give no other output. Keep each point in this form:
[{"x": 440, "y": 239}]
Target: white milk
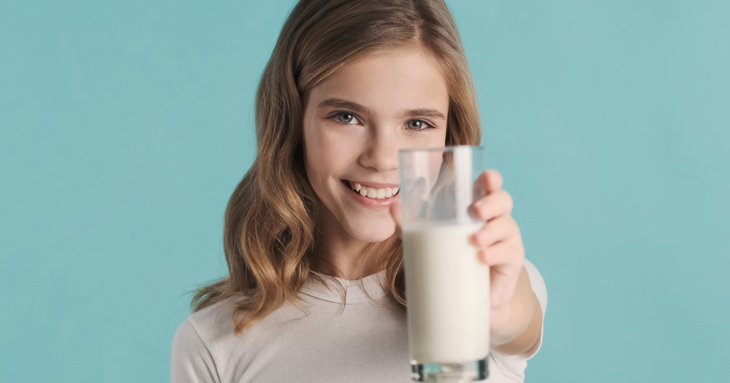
[{"x": 447, "y": 292}]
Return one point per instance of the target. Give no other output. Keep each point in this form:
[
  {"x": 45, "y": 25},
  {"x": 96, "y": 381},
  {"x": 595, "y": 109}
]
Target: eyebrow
[
  {"x": 433, "y": 113},
  {"x": 340, "y": 103}
]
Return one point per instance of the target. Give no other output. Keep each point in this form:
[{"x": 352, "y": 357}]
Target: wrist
[
  {"x": 511, "y": 320},
  {"x": 516, "y": 327}
]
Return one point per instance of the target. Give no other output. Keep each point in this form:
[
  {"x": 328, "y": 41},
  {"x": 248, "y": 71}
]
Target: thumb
[{"x": 395, "y": 212}]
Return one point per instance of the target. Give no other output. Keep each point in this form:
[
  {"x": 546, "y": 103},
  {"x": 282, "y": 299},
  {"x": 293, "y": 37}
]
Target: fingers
[
  {"x": 505, "y": 263},
  {"x": 493, "y": 205},
  {"x": 492, "y": 180},
  {"x": 508, "y": 255},
  {"x": 488, "y": 181},
  {"x": 499, "y": 229}
]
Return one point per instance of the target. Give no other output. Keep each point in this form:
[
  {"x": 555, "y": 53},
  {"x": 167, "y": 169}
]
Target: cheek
[{"x": 327, "y": 155}]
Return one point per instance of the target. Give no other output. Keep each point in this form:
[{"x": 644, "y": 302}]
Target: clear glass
[{"x": 447, "y": 288}]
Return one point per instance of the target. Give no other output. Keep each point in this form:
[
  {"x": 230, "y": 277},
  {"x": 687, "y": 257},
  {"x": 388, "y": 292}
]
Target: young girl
[{"x": 315, "y": 291}]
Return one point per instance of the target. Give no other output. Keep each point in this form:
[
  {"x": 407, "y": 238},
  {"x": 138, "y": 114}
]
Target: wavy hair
[{"x": 269, "y": 230}]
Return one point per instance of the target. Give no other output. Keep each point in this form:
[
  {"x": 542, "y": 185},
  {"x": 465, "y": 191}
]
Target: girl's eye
[
  {"x": 418, "y": 125},
  {"x": 346, "y": 118}
]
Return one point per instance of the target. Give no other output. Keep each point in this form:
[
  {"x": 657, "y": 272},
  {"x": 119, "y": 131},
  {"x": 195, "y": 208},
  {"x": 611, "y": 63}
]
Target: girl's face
[{"x": 354, "y": 123}]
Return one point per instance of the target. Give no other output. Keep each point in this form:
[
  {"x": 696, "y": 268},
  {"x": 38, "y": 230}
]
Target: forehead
[{"x": 388, "y": 80}]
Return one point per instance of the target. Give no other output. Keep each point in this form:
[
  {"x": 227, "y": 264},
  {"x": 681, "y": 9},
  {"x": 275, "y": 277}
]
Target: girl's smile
[{"x": 373, "y": 195}]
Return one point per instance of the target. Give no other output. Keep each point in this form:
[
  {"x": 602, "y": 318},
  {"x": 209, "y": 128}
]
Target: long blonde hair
[{"x": 269, "y": 232}]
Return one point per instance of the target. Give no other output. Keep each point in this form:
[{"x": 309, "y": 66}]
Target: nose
[{"x": 381, "y": 152}]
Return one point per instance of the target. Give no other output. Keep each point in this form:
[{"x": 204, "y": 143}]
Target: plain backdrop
[{"x": 125, "y": 127}]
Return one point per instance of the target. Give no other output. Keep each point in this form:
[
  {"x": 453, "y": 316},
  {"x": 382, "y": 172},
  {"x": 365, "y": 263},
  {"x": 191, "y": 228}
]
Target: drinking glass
[{"x": 447, "y": 287}]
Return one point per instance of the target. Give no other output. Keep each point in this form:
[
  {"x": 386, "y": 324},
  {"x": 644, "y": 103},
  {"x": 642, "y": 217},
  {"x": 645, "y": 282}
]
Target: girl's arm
[
  {"x": 518, "y": 329},
  {"x": 516, "y": 313}
]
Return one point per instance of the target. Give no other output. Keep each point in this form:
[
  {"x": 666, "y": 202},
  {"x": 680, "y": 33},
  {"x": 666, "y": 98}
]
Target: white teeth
[{"x": 373, "y": 192}]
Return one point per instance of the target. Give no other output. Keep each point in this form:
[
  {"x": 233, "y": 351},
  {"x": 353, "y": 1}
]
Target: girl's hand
[
  {"x": 499, "y": 240},
  {"x": 516, "y": 319},
  {"x": 500, "y": 245}
]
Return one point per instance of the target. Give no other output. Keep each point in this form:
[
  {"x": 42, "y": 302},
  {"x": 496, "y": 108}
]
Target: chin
[{"x": 375, "y": 233}]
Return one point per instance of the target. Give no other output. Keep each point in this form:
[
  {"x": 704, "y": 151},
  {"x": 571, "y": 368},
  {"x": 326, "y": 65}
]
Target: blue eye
[
  {"x": 346, "y": 118},
  {"x": 418, "y": 125}
]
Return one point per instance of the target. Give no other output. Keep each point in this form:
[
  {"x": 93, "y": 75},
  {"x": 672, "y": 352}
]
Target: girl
[{"x": 315, "y": 291}]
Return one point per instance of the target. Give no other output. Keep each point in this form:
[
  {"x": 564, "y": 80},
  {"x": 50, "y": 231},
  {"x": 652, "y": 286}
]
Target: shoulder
[
  {"x": 196, "y": 340},
  {"x": 209, "y": 325}
]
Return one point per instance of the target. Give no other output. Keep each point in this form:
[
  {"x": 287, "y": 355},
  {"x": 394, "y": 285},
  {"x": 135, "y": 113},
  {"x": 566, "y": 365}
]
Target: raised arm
[{"x": 516, "y": 313}]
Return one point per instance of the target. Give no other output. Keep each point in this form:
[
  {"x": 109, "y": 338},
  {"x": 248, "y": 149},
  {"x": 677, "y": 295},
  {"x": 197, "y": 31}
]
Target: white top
[{"x": 364, "y": 340}]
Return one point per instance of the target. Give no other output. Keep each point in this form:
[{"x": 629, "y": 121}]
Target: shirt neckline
[{"x": 335, "y": 289}]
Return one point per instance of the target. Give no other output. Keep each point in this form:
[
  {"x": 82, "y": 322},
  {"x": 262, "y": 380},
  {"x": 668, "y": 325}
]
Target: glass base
[{"x": 450, "y": 372}]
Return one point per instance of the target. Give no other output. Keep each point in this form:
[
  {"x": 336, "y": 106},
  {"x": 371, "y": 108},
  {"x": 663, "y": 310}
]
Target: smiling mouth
[{"x": 370, "y": 192}]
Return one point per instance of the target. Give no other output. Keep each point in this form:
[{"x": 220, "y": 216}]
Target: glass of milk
[{"x": 447, "y": 288}]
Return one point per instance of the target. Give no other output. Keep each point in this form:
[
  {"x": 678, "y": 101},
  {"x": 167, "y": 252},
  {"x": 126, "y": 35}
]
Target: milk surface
[{"x": 447, "y": 292}]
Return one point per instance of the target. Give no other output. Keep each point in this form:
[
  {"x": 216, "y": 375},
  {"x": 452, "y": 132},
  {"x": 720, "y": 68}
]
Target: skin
[{"x": 354, "y": 123}]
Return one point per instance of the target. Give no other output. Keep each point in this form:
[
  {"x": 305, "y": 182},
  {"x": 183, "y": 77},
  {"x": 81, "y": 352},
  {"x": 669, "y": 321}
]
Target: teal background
[{"x": 125, "y": 127}]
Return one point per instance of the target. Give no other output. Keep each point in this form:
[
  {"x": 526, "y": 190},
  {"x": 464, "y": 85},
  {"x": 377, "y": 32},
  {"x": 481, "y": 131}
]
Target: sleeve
[
  {"x": 540, "y": 290},
  {"x": 192, "y": 362}
]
